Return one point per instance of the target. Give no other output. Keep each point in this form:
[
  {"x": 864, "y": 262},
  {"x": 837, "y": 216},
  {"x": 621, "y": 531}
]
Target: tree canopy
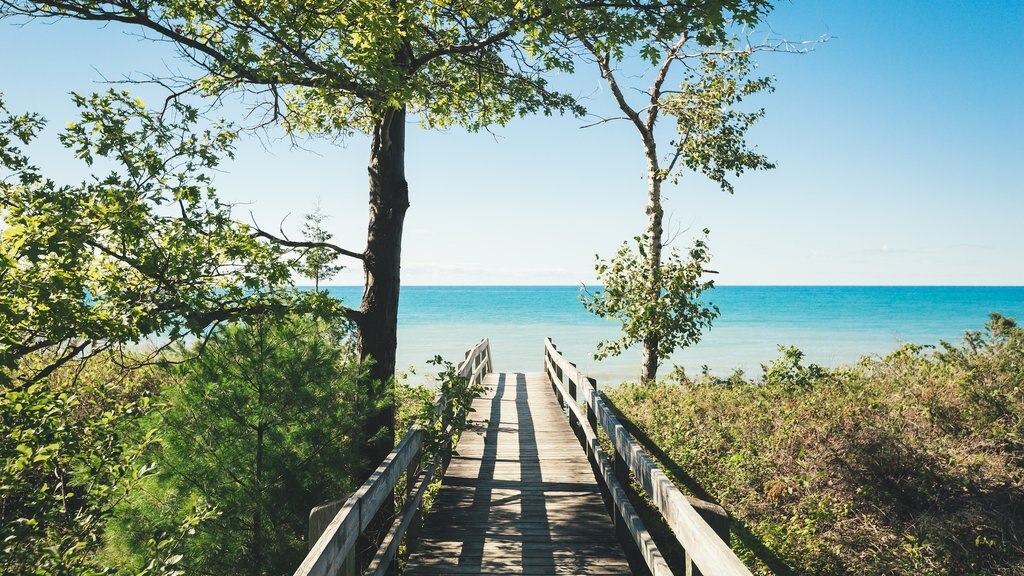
[
  {"x": 675, "y": 319},
  {"x": 335, "y": 67},
  {"x": 145, "y": 250}
]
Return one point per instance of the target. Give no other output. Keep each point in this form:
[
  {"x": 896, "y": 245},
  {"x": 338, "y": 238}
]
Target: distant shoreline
[{"x": 833, "y": 325}]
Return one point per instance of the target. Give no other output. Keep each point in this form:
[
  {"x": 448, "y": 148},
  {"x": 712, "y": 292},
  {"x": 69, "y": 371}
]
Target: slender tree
[
  {"x": 660, "y": 309},
  {"x": 317, "y": 262}
]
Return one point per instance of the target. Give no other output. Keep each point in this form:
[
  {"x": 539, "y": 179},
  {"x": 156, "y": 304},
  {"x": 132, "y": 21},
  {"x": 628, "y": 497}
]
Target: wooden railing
[
  {"x": 477, "y": 363},
  {"x": 706, "y": 552},
  {"x": 333, "y": 553}
]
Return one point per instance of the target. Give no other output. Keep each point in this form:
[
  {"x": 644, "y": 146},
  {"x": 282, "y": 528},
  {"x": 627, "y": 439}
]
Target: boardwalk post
[
  {"x": 621, "y": 470},
  {"x": 573, "y": 422},
  {"x": 319, "y": 518},
  {"x": 592, "y": 420},
  {"x": 717, "y": 518}
]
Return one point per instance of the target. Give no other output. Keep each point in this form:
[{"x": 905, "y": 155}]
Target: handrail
[
  {"x": 477, "y": 363},
  {"x": 704, "y": 548},
  {"x": 334, "y": 550}
]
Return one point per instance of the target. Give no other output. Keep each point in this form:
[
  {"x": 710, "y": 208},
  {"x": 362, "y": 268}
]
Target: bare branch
[
  {"x": 283, "y": 240},
  {"x": 606, "y": 71},
  {"x": 67, "y": 357},
  {"x": 671, "y": 55},
  {"x": 603, "y": 120},
  {"x": 260, "y": 233}
]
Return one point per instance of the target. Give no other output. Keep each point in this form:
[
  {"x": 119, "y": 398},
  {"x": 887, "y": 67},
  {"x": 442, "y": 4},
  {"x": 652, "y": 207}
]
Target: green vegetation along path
[{"x": 519, "y": 496}]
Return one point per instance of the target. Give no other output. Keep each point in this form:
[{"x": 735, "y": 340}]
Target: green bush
[
  {"x": 907, "y": 464},
  {"x": 72, "y": 447},
  {"x": 263, "y": 422}
]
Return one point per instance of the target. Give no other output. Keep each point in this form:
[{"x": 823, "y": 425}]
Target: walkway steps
[{"x": 519, "y": 496}]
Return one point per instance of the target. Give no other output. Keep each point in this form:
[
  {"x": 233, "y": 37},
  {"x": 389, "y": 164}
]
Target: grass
[{"x": 907, "y": 464}]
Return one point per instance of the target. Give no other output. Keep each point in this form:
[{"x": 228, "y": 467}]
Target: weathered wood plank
[
  {"x": 382, "y": 561},
  {"x": 332, "y": 549},
  {"x": 519, "y": 497}
]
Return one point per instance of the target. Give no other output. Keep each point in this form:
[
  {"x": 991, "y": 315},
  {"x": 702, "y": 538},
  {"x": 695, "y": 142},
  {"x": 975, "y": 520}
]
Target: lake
[{"x": 833, "y": 325}]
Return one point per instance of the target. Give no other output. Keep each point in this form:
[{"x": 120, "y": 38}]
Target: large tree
[
  {"x": 658, "y": 302},
  {"x": 336, "y": 68}
]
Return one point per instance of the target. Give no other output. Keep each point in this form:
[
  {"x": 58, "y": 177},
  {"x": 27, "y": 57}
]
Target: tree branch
[
  {"x": 126, "y": 12},
  {"x": 603, "y": 121},
  {"x": 659, "y": 80},
  {"x": 680, "y": 148},
  {"x": 210, "y": 317},
  {"x": 67, "y": 357},
  {"x": 620, "y": 98},
  {"x": 260, "y": 233}
]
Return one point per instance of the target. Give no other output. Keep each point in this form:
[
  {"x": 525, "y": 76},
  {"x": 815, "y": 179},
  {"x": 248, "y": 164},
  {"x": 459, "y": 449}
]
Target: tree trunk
[
  {"x": 256, "y": 551},
  {"x": 378, "y": 325},
  {"x": 261, "y": 499},
  {"x": 649, "y": 362},
  {"x": 655, "y": 213}
]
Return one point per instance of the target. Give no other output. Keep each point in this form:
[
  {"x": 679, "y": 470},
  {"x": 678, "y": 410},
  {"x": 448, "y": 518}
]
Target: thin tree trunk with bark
[
  {"x": 378, "y": 323},
  {"x": 655, "y": 214}
]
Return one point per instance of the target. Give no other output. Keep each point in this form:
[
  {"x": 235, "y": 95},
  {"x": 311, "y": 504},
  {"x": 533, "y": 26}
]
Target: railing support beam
[
  {"x": 335, "y": 527},
  {"x": 707, "y": 549}
]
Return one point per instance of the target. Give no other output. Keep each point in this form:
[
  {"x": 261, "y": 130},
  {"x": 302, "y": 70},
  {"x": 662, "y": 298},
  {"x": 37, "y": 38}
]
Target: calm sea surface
[{"x": 834, "y": 325}]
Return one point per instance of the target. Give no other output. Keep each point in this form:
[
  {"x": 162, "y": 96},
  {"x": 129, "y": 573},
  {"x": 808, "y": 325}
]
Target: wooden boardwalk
[{"x": 519, "y": 496}]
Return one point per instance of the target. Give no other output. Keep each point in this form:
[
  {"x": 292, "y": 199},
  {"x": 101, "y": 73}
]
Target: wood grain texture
[
  {"x": 519, "y": 496},
  {"x": 706, "y": 553},
  {"x": 333, "y": 549}
]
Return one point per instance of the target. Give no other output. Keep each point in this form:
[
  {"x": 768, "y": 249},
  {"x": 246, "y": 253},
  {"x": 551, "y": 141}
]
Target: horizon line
[{"x": 716, "y": 286}]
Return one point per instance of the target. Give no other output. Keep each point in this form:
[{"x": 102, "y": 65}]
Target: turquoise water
[{"x": 834, "y": 325}]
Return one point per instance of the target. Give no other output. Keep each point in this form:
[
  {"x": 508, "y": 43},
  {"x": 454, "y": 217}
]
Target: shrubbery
[
  {"x": 207, "y": 464},
  {"x": 263, "y": 422},
  {"x": 908, "y": 464},
  {"x": 73, "y": 447}
]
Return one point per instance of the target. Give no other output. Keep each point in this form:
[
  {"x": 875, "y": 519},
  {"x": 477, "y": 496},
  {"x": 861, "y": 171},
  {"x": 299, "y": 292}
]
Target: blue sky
[{"x": 898, "y": 144}]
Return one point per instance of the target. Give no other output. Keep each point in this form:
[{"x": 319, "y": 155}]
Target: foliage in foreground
[
  {"x": 207, "y": 466},
  {"x": 141, "y": 247},
  {"x": 908, "y": 464},
  {"x": 266, "y": 423},
  {"x": 72, "y": 447},
  {"x": 675, "y": 319}
]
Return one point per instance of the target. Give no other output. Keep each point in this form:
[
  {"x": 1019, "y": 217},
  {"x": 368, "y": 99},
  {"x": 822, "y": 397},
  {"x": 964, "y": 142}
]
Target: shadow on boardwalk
[{"x": 519, "y": 496}]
